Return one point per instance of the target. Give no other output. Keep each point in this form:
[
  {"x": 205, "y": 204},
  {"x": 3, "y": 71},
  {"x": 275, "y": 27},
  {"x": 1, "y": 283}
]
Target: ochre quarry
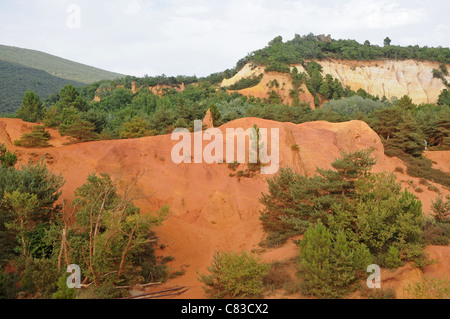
[
  {"x": 211, "y": 210},
  {"x": 389, "y": 78}
]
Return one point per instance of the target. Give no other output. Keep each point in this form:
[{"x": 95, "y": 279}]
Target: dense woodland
[
  {"x": 16, "y": 79},
  {"x": 357, "y": 216}
]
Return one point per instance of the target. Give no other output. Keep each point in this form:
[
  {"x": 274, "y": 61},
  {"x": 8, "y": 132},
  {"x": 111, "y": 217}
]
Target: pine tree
[
  {"x": 79, "y": 131},
  {"x": 406, "y": 103},
  {"x": 136, "y": 128},
  {"x": 37, "y": 138},
  {"x": 393, "y": 260},
  {"x": 315, "y": 260},
  {"x": 409, "y": 137},
  {"x": 22, "y": 205},
  {"x": 343, "y": 263},
  {"x": 7, "y": 159},
  {"x": 386, "y": 122},
  {"x": 31, "y": 109}
]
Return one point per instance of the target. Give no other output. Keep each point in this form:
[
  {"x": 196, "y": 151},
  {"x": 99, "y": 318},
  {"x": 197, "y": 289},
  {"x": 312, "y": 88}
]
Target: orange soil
[{"x": 211, "y": 210}]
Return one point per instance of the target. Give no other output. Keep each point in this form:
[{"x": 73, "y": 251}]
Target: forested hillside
[
  {"x": 22, "y": 70},
  {"x": 15, "y": 80}
]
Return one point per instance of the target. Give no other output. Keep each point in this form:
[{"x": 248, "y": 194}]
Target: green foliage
[
  {"x": 22, "y": 206},
  {"x": 110, "y": 233},
  {"x": 354, "y": 105},
  {"x": 40, "y": 278},
  {"x": 319, "y": 47},
  {"x": 34, "y": 179},
  {"x": 441, "y": 209},
  {"x": 430, "y": 288},
  {"x": 277, "y": 276},
  {"x": 444, "y": 97},
  {"x": 136, "y": 128},
  {"x": 408, "y": 137},
  {"x": 79, "y": 131},
  {"x": 7, "y": 159},
  {"x": 327, "y": 265},
  {"x": 16, "y": 79},
  {"x": 54, "y": 65},
  {"x": 246, "y": 83},
  {"x": 37, "y": 138},
  {"x": 365, "y": 217},
  {"x": 294, "y": 201},
  {"x": 63, "y": 291},
  {"x": 70, "y": 97},
  {"x": 392, "y": 259},
  {"x": 31, "y": 109},
  {"x": 8, "y": 285},
  {"x": 387, "y": 42},
  {"x": 406, "y": 103},
  {"x": 234, "y": 275}
]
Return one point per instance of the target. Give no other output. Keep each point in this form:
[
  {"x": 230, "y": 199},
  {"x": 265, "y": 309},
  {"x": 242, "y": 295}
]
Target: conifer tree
[
  {"x": 37, "y": 138},
  {"x": 408, "y": 137},
  {"x": 315, "y": 261},
  {"x": 31, "y": 109}
]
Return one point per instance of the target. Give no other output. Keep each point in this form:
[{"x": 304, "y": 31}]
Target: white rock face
[{"x": 390, "y": 78}]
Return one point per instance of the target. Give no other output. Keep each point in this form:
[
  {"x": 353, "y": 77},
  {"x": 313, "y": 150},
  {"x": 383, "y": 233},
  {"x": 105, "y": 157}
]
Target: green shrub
[
  {"x": 40, "y": 278},
  {"x": 64, "y": 292},
  {"x": 392, "y": 259},
  {"x": 37, "y": 138},
  {"x": 388, "y": 293},
  {"x": 233, "y": 166},
  {"x": 277, "y": 276},
  {"x": 8, "y": 285},
  {"x": 295, "y": 147},
  {"x": 441, "y": 209},
  {"x": 399, "y": 169},
  {"x": 245, "y": 83},
  {"x": 440, "y": 241},
  {"x": 430, "y": 288},
  {"x": 235, "y": 275},
  {"x": 327, "y": 266}
]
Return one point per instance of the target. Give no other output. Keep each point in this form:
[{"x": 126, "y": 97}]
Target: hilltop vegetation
[{"x": 278, "y": 55}]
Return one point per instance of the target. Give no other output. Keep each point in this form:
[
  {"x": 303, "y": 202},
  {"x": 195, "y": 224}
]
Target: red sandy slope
[{"x": 211, "y": 210}]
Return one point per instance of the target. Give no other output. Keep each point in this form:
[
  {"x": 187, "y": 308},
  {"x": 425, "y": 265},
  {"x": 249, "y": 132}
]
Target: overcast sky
[{"x": 180, "y": 37}]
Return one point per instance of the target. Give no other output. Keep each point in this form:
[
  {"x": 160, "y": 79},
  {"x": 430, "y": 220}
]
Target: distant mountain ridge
[
  {"x": 54, "y": 65},
  {"x": 23, "y": 69}
]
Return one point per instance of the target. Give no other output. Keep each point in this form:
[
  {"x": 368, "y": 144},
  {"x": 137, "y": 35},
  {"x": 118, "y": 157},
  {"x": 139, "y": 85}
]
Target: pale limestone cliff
[{"x": 390, "y": 78}]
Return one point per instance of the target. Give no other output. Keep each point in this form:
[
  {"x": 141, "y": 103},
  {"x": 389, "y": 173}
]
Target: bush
[
  {"x": 440, "y": 241},
  {"x": 277, "y": 276},
  {"x": 37, "y": 138},
  {"x": 388, "y": 293},
  {"x": 79, "y": 131},
  {"x": 392, "y": 259},
  {"x": 399, "y": 169},
  {"x": 8, "y": 285},
  {"x": 234, "y": 275},
  {"x": 40, "y": 278},
  {"x": 436, "y": 233},
  {"x": 233, "y": 166},
  {"x": 295, "y": 148},
  {"x": 136, "y": 128},
  {"x": 327, "y": 265},
  {"x": 64, "y": 292},
  {"x": 441, "y": 209},
  {"x": 430, "y": 288},
  {"x": 245, "y": 83}
]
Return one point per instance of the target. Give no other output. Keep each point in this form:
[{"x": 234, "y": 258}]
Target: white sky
[{"x": 180, "y": 37}]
